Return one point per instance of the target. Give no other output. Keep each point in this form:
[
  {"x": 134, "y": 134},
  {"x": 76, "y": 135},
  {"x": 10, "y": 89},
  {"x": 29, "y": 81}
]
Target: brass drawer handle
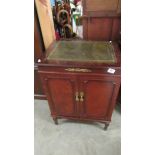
[
  {"x": 81, "y": 96},
  {"x": 78, "y": 70},
  {"x": 77, "y": 96}
]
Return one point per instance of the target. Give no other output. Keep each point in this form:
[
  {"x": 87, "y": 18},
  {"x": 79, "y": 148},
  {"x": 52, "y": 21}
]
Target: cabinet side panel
[{"x": 38, "y": 90}]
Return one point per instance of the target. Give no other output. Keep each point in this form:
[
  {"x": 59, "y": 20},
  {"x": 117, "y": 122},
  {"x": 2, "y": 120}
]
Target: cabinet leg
[
  {"x": 55, "y": 121},
  {"x": 106, "y": 126}
]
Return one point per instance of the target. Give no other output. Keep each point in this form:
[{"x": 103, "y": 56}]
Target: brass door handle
[
  {"x": 81, "y": 96},
  {"x": 77, "y": 96}
]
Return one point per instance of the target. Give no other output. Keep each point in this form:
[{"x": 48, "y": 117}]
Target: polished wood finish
[
  {"x": 97, "y": 101},
  {"x": 87, "y": 96},
  {"x": 100, "y": 8},
  {"x": 62, "y": 91},
  {"x": 101, "y": 28}
]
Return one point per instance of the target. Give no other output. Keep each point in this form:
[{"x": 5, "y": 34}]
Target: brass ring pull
[
  {"x": 77, "y": 97},
  {"x": 81, "y": 96}
]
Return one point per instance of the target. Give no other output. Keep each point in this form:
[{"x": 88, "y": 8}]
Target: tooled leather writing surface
[{"x": 83, "y": 51}]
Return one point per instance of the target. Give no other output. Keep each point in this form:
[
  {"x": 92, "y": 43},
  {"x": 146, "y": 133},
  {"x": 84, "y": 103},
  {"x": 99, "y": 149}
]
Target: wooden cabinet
[
  {"x": 83, "y": 96},
  {"x": 101, "y": 8},
  {"x": 77, "y": 88}
]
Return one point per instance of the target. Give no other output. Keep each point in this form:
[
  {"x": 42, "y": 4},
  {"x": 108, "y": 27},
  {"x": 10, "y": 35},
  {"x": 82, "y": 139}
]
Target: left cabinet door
[{"x": 61, "y": 91}]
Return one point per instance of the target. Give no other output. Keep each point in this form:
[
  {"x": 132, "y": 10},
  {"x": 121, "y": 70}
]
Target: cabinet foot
[
  {"x": 106, "y": 126},
  {"x": 55, "y": 121}
]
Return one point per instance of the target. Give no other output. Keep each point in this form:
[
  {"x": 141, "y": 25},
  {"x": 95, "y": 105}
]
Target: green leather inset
[{"x": 83, "y": 51}]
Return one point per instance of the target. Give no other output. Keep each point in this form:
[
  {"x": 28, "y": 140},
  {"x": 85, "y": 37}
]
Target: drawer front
[{"x": 110, "y": 71}]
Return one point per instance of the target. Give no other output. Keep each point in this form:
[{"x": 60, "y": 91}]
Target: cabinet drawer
[{"x": 81, "y": 70}]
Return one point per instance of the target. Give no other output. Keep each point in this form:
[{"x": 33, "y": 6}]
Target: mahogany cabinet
[{"x": 81, "y": 80}]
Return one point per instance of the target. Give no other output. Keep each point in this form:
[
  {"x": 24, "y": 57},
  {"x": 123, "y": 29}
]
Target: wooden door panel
[
  {"x": 99, "y": 28},
  {"x": 61, "y": 93},
  {"x": 102, "y": 28},
  {"x": 101, "y": 5},
  {"x": 97, "y": 97},
  {"x": 100, "y": 8}
]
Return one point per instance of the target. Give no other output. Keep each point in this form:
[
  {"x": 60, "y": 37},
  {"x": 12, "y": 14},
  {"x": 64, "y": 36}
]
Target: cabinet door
[
  {"x": 60, "y": 91},
  {"x": 97, "y": 98}
]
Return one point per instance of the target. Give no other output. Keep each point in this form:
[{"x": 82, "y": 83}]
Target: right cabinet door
[{"x": 97, "y": 97}]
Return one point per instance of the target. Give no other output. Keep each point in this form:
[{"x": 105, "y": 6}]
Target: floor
[{"x": 74, "y": 138}]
